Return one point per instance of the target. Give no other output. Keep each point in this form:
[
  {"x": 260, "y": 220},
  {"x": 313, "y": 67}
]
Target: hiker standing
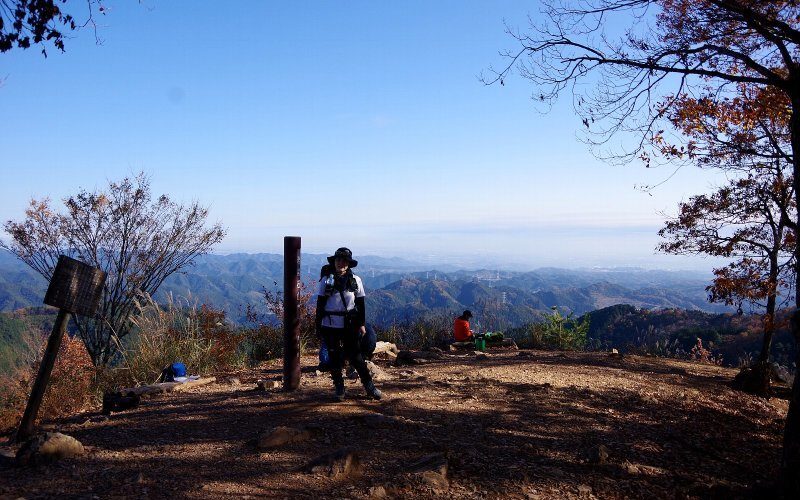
[
  {"x": 461, "y": 331},
  {"x": 366, "y": 342},
  {"x": 341, "y": 320}
]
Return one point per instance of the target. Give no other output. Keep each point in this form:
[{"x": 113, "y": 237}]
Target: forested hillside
[
  {"x": 734, "y": 338},
  {"x": 402, "y": 290},
  {"x": 20, "y": 333}
]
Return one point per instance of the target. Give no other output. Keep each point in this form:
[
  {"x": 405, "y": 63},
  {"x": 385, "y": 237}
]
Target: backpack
[{"x": 176, "y": 369}]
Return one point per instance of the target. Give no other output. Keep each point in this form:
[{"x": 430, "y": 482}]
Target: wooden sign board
[{"x": 75, "y": 287}]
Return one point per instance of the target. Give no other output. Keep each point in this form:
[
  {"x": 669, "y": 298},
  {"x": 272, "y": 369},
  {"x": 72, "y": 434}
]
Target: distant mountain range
[{"x": 399, "y": 289}]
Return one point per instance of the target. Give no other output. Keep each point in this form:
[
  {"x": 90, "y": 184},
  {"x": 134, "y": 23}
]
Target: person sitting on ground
[
  {"x": 461, "y": 331},
  {"x": 341, "y": 321}
]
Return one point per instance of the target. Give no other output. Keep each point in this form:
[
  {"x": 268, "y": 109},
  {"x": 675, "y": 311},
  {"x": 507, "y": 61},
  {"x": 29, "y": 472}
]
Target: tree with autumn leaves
[
  {"x": 138, "y": 241},
  {"x": 628, "y": 80},
  {"x": 750, "y": 218},
  {"x": 742, "y": 220}
]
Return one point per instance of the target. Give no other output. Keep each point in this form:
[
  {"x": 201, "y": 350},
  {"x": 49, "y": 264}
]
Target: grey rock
[
  {"x": 631, "y": 468},
  {"x": 49, "y": 447},
  {"x": 339, "y": 464},
  {"x": 416, "y": 358},
  {"x": 138, "y": 478},
  {"x": 460, "y": 346},
  {"x": 7, "y": 459},
  {"x": 408, "y": 374},
  {"x": 378, "y": 492},
  {"x": 598, "y": 455},
  {"x": 782, "y": 373},
  {"x": 379, "y": 421},
  {"x": 385, "y": 347},
  {"x": 280, "y": 436},
  {"x": 431, "y": 470},
  {"x": 376, "y": 372}
]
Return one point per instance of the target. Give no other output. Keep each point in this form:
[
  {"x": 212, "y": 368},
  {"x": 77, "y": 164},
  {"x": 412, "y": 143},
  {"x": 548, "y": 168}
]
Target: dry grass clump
[
  {"x": 420, "y": 333},
  {"x": 198, "y": 336},
  {"x": 69, "y": 390}
]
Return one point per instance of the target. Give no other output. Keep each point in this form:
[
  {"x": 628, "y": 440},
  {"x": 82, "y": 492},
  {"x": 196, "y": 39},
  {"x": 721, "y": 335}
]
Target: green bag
[{"x": 492, "y": 337}]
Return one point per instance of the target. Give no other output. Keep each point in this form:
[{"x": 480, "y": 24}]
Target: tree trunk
[
  {"x": 762, "y": 368},
  {"x": 790, "y": 460}
]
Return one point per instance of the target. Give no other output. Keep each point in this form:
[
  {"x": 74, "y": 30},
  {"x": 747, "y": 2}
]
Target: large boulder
[
  {"x": 782, "y": 374},
  {"x": 49, "y": 447},
  {"x": 381, "y": 347}
]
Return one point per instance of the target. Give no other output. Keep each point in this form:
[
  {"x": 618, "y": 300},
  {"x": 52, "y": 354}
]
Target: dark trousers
[{"x": 343, "y": 342}]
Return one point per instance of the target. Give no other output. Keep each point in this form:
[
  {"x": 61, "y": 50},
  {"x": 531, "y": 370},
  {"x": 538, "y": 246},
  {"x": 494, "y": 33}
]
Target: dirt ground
[{"x": 527, "y": 424}]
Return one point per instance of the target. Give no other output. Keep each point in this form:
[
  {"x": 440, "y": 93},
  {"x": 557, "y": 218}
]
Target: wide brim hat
[{"x": 344, "y": 253}]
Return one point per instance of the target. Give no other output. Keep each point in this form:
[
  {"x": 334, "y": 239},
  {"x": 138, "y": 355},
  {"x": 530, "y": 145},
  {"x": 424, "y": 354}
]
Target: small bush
[
  {"x": 674, "y": 349},
  {"x": 14, "y": 391},
  {"x": 700, "y": 354},
  {"x": 562, "y": 332},
  {"x": 262, "y": 343},
  {"x": 263, "y": 340},
  {"x": 69, "y": 389}
]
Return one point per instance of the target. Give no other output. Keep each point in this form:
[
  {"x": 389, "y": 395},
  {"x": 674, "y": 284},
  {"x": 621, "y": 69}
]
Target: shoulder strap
[{"x": 344, "y": 302}]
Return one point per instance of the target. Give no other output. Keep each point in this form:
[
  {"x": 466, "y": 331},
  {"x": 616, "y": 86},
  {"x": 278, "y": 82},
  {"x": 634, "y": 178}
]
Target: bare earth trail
[{"x": 525, "y": 424}]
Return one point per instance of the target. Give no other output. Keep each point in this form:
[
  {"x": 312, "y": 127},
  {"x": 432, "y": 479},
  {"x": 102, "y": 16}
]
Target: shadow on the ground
[{"x": 501, "y": 438}]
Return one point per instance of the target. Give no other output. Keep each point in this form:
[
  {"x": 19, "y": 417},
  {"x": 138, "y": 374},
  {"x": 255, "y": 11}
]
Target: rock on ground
[
  {"x": 49, "y": 447},
  {"x": 339, "y": 464},
  {"x": 280, "y": 436},
  {"x": 431, "y": 470},
  {"x": 377, "y": 372}
]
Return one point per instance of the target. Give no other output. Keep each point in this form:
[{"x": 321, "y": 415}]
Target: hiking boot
[
  {"x": 339, "y": 388},
  {"x": 372, "y": 391},
  {"x": 352, "y": 374}
]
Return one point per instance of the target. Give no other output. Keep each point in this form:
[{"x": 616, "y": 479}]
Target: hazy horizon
[{"x": 469, "y": 262}]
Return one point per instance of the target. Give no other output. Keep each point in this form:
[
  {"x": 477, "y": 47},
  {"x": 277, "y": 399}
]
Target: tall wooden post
[
  {"x": 45, "y": 368},
  {"x": 291, "y": 323},
  {"x": 75, "y": 287}
]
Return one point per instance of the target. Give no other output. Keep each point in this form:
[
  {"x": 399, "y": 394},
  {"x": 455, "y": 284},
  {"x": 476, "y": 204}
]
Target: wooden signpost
[
  {"x": 75, "y": 288},
  {"x": 291, "y": 323}
]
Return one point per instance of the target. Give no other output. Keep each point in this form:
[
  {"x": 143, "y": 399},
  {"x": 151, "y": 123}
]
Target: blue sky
[{"x": 346, "y": 123}]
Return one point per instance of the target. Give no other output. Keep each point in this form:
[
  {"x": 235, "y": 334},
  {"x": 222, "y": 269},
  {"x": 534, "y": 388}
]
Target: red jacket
[{"x": 461, "y": 330}]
